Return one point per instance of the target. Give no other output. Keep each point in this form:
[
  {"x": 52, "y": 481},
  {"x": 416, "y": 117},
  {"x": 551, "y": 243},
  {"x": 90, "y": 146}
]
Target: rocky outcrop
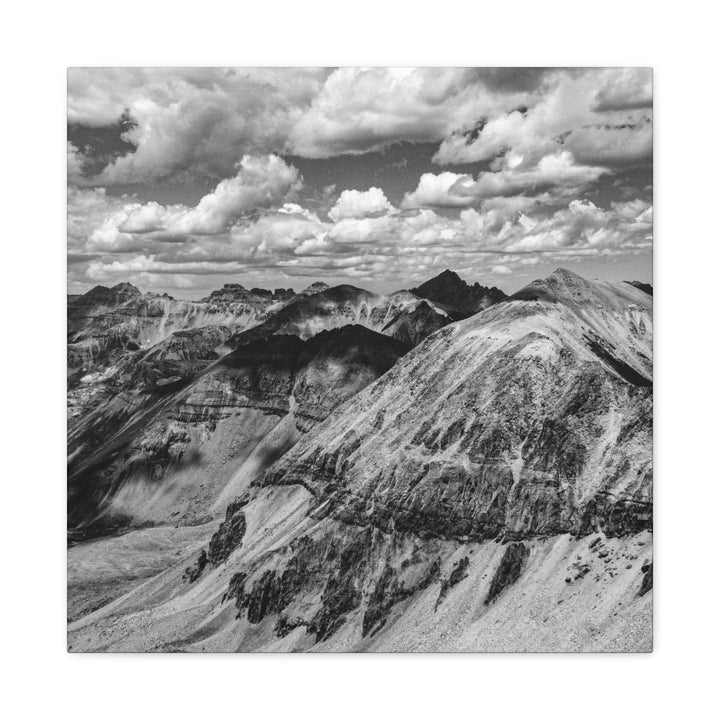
[
  {"x": 193, "y": 572},
  {"x": 511, "y": 566},
  {"x": 234, "y": 292},
  {"x": 228, "y": 536},
  {"x": 325, "y": 578},
  {"x": 647, "y": 581},
  {"x": 458, "y": 573}
]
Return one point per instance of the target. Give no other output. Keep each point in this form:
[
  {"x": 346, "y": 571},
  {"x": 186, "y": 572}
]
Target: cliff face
[{"x": 490, "y": 490}]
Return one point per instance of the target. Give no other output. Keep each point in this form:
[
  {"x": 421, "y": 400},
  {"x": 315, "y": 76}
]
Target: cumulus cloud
[
  {"x": 362, "y": 109},
  {"x": 358, "y": 204},
  {"x": 293, "y": 241},
  {"x": 259, "y": 182},
  {"x": 546, "y": 140},
  {"x": 439, "y": 191},
  {"x": 556, "y": 171},
  {"x": 201, "y": 120},
  {"x": 193, "y": 119},
  {"x": 600, "y": 116}
]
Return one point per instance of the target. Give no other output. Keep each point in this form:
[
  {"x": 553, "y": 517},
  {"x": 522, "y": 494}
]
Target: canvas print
[{"x": 359, "y": 359}]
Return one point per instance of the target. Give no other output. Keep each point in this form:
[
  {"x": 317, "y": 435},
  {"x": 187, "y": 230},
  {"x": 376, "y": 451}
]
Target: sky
[{"x": 183, "y": 179}]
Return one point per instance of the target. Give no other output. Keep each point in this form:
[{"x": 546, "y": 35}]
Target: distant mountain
[
  {"x": 456, "y": 296},
  {"x": 234, "y": 292},
  {"x": 316, "y": 287},
  {"x": 105, "y": 324},
  {"x": 106, "y": 296},
  {"x": 645, "y": 287},
  {"x": 307, "y": 315},
  {"x": 414, "y": 326}
]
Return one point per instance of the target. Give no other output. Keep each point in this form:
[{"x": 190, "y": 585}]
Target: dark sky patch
[{"x": 101, "y": 145}]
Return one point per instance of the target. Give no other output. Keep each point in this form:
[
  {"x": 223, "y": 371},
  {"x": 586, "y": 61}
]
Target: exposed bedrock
[{"x": 319, "y": 580}]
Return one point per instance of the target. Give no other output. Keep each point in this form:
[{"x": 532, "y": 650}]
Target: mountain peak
[
  {"x": 562, "y": 273},
  {"x": 462, "y": 300},
  {"x": 125, "y": 288},
  {"x": 447, "y": 273},
  {"x": 102, "y": 295},
  {"x": 315, "y": 288}
]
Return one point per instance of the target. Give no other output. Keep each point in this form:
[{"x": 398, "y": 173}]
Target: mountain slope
[
  {"x": 167, "y": 454},
  {"x": 521, "y": 440},
  {"x": 493, "y": 490},
  {"x": 414, "y": 326}
]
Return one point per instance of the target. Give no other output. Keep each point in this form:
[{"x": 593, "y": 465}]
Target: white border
[{"x": 41, "y": 42}]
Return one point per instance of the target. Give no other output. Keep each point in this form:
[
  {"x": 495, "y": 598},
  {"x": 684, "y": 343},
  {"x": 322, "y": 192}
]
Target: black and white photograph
[{"x": 360, "y": 359}]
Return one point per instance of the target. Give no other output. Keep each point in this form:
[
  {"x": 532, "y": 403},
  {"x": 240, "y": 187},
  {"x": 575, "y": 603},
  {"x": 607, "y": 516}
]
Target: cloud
[
  {"x": 363, "y": 109},
  {"x": 357, "y": 204},
  {"x": 625, "y": 89},
  {"x": 259, "y": 182},
  {"x": 291, "y": 241},
  {"x": 501, "y": 270},
  {"x": 437, "y": 191},
  {"x": 74, "y": 164},
  {"x": 601, "y": 116},
  {"x": 548, "y": 142},
  {"x": 556, "y": 171},
  {"x": 199, "y": 120}
]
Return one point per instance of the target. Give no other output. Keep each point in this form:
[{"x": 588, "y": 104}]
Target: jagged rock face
[
  {"x": 128, "y": 459},
  {"x": 234, "y": 292},
  {"x": 454, "y": 294},
  {"x": 307, "y": 315},
  {"x": 511, "y": 566},
  {"x": 324, "y": 577},
  {"x": 509, "y": 423}
]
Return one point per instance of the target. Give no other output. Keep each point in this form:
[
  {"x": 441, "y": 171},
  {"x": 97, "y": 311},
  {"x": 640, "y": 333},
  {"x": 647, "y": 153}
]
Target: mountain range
[{"x": 444, "y": 468}]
